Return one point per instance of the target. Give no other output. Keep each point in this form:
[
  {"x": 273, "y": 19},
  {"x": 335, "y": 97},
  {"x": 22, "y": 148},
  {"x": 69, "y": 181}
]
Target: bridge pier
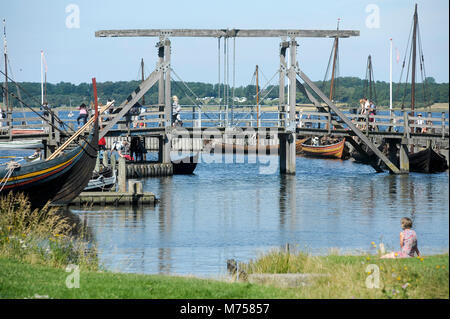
[
  {"x": 287, "y": 152},
  {"x": 404, "y": 160}
]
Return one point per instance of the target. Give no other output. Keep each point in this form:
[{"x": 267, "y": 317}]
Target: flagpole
[
  {"x": 390, "y": 78},
  {"x": 42, "y": 78}
]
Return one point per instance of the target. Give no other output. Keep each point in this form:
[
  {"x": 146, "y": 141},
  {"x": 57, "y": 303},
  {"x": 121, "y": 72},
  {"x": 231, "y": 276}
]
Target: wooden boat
[
  {"x": 298, "y": 145},
  {"x": 246, "y": 149},
  {"x": 26, "y": 131},
  {"x": 101, "y": 181},
  {"x": 252, "y": 149},
  {"x": 21, "y": 145},
  {"x": 427, "y": 161},
  {"x": 324, "y": 151},
  {"x": 58, "y": 180},
  {"x": 185, "y": 166}
]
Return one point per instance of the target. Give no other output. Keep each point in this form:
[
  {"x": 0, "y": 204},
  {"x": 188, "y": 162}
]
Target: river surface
[{"x": 235, "y": 209}]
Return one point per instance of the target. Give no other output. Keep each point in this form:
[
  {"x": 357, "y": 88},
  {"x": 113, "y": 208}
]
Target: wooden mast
[
  {"x": 5, "y": 53},
  {"x": 335, "y": 48},
  {"x": 257, "y": 105},
  {"x": 142, "y": 78},
  {"x": 334, "y": 66},
  {"x": 413, "y": 69},
  {"x": 336, "y": 43}
]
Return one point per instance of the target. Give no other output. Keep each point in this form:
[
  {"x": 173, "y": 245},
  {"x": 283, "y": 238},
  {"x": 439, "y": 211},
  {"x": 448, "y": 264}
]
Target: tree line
[{"x": 348, "y": 90}]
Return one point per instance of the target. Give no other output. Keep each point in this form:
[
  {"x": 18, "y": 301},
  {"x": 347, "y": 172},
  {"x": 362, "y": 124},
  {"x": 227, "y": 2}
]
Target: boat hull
[
  {"x": 26, "y": 131},
  {"x": 324, "y": 151},
  {"x": 185, "y": 166},
  {"x": 427, "y": 161},
  {"x": 21, "y": 145},
  {"x": 57, "y": 181}
]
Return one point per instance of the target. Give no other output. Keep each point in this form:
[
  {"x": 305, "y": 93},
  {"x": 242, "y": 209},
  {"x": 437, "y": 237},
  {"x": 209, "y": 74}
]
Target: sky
[{"x": 65, "y": 31}]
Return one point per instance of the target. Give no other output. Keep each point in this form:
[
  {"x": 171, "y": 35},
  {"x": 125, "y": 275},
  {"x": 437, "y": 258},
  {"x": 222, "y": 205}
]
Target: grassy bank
[
  {"x": 346, "y": 276},
  {"x": 411, "y": 278},
  {"x": 43, "y": 236}
]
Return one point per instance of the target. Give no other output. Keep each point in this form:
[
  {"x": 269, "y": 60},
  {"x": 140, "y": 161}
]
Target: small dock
[
  {"x": 113, "y": 198},
  {"x": 134, "y": 196}
]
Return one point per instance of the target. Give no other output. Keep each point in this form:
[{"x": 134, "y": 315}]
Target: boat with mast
[
  {"x": 427, "y": 160},
  {"x": 63, "y": 175},
  {"x": 8, "y": 108},
  {"x": 327, "y": 147}
]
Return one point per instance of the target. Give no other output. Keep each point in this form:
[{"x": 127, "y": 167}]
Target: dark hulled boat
[
  {"x": 185, "y": 166},
  {"x": 58, "y": 180},
  {"x": 427, "y": 161}
]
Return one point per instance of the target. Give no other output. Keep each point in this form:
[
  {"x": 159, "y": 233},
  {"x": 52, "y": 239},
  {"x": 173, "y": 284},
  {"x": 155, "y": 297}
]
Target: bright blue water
[{"x": 232, "y": 211}]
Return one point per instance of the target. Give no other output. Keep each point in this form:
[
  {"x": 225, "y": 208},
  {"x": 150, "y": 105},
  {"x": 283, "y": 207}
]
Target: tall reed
[{"x": 43, "y": 236}]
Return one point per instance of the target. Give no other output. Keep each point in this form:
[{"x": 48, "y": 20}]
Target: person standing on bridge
[
  {"x": 420, "y": 121},
  {"x": 176, "y": 109},
  {"x": 83, "y": 114}
]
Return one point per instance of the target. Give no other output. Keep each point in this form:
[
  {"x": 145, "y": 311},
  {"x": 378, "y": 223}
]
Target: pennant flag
[{"x": 43, "y": 59}]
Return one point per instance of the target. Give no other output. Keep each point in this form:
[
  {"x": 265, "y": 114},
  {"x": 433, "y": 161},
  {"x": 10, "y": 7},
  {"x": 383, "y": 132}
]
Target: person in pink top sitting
[{"x": 408, "y": 241}]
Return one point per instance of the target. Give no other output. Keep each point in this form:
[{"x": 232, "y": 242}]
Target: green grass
[
  {"x": 22, "y": 280},
  {"x": 19, "y": 279}
]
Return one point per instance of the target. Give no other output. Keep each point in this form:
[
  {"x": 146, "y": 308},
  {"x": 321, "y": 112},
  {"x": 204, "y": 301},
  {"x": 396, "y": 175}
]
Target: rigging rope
[
  {"x": 176, "y": 84},
  {"x": 11, "y": 166},
  {"x": 45, "y": 107}
]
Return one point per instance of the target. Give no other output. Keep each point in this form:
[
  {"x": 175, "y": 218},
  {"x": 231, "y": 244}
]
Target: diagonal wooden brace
[
  {"x": 349, "y": 123},
  {"x": 134, "y": 97}
]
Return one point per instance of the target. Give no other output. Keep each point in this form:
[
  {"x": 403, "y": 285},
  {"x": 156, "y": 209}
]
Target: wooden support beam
[
  {"x": 228, "y": 33},
  {"x": 349, "y": 123},
  {"x": 134, "y": 97}
]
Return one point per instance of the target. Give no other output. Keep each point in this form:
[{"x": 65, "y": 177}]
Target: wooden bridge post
[
  {"x": 122, "y": 178},
  {"x": 443, "y": 125},
  {"x": 113, "y": 160},
  {"x": 97, "y": 164},
  {"x": 287, "y": 138},
  {"x": 166, "y": 147},
  {"x": 161, "y": 93},
  {"x": 287, "y": 153},
  {"x": 281, "y": 94},
  {"x": 105, "y": 159},
  {"x": 168, "y": 92},
  {"x": 404, "y": 160}
]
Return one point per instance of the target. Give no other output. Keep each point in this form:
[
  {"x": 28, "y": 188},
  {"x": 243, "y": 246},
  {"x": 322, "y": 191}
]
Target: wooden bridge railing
[{"x": 405, "y": 123}]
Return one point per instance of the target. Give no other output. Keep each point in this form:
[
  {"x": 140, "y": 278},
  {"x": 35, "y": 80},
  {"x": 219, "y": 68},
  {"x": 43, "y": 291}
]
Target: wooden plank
[{"x": 229, "y": 33}]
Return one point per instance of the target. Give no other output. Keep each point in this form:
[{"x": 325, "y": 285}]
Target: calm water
[{"x": 230, "y": 210}]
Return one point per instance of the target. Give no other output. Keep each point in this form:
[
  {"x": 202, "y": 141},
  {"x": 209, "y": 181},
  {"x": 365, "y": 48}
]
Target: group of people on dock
[{"x": 131, "y": 151}]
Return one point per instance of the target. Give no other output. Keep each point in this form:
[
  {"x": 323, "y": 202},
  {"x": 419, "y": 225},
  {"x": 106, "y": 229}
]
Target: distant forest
[{"x": 348, "y": 91}]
